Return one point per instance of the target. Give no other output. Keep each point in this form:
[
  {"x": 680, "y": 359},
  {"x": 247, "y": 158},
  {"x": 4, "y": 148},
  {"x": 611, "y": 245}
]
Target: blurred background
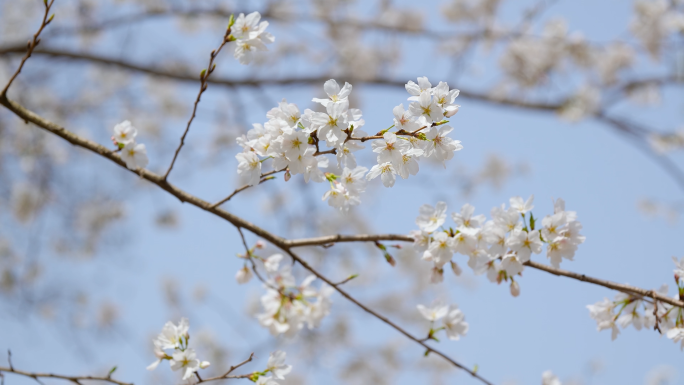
[{"x": 574, "y": 99}]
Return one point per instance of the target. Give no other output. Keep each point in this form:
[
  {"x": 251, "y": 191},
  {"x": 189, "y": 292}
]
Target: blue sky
[{"x": 599, "y": 174}]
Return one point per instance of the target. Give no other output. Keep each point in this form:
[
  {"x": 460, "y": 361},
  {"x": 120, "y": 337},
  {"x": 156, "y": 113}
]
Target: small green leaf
[
  {"x": 111, "y": 371},
  {"x": 427, "y": 352},
  {"x": 51, "y": 17},
  {"x": 532, "y": 221},
  {"x": 475, "y": 368},
  {"x": 204, "y": 71},
  {"x": 231, "y": 21}
]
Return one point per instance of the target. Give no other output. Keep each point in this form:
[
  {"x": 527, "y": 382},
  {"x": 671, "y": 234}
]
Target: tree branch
[
  {"x": 331, "y": 239},
  {"x": 227, "y": 375},
  {"x": 236, "y": 221},
  {"x": 204, "y": 75},
  {"x": 245, "y": 187},
  {"x": 32, "y": 44},
  {"x": 74, "y": 379},
  {"x": 257, "y": 82}
]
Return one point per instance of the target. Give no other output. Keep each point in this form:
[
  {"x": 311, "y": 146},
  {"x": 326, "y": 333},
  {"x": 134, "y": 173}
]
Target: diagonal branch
[
  {"x": 236, "y": 221},
  {"x": 382, "y": 318},
  {"x": 204, "y": 76},
  {"x": 32, "y": 44}
]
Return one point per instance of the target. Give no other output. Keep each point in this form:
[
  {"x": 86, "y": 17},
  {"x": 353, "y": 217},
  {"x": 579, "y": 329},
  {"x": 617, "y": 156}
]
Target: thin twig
[
  {"x": 204, "y": 75},
  {"x": 342, "y": 282},
  {"x": 74, "y": 379},
  {"x": 655, "y": 313},
  {"x": 232, "y": 368},
  {"x": 32, "y": 44},
  {"x": 245, "y": 187},
  {"x": 248, "y": 254}
]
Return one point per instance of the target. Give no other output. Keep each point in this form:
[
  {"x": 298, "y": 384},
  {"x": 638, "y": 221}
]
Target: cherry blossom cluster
[
  {"x": 288, "y": 306},
  {"x": 132, "y": 153},
  {"x": 453, "y": 324},
  {"x": 249, "y": 36},
  {"x": 175, "y": 338},
  {"x": 500, "y": 246},
  {"x": 293, "y": 140},
  {"x": 640, "y": 312}
]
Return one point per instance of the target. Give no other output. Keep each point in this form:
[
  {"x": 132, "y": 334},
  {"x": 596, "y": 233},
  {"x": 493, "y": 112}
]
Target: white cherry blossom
[
  {"x": 124, "y": 132},
  {"x": 134, "y": 155},
  {"x": 276, "y": 364},
  {"x": 431, "y": 218},
  {"x": 433, "y": 313},
  {"x": 335, "y": 93},
  {"x": 385, "y": 171},
  {"x": 455, "y": 324},
  {"x": 249, "y": 166}
]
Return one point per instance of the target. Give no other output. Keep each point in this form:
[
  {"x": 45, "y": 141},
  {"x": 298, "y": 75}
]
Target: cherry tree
[{"x": 322, "y": 151}]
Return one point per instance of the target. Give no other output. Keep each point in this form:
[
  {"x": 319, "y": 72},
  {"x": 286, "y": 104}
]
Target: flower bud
[
  {"x": 243, "y": 275},
  {"x": 204, "y": 364},
  {"x": 456, "y": 269},
  {"x": 452, "y": 111},
  {"x": 437, "y": 275},
  {"x": 515, "y": 289},
  {"x": 390, "y": 259},
  {"x": 260, "y": 244},
  {"x": 287, "y": 175}
]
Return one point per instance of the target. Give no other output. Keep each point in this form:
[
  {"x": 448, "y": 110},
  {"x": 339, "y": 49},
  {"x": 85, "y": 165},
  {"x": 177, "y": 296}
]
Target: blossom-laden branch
[
  {"x": 32, "y": 44},
  {"x": 183, "y": 196},
  {"x": 629, "y": 289}
]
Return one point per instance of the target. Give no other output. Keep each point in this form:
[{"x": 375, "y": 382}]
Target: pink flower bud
[
  {"x": 287, "y": 175},
  {"x": 437, "y": 275},
  {"x": 515, "y": 289},
  {"x": 260, "y": 244},
  {"x": 451, "y": 111},
  {"x": 455, "y": 268}
]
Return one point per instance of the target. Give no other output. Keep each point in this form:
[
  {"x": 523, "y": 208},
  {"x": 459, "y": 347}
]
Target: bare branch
[
  {"x": 74, "y": 379},
  {"x": 32, "y": 44},
  {"x": 245, "y": 187},
  {"x": 204, "y": 75},
  {"x": 258, "y": 82},
  {"x": 227, "y": 375}
]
